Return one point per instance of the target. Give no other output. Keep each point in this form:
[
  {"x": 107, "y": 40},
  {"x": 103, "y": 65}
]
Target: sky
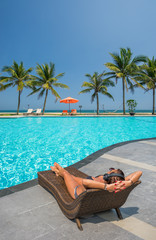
[{"x": 77, "y": 36}]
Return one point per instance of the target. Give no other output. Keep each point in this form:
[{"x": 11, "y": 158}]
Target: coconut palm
[
  {"x": 123, "y": 67},
  {"x": 147, "y": 76},
  {"x": 46, "y": 81},
  {"x": 18, "y": 76},
  {"x": 98, "y": 85}
]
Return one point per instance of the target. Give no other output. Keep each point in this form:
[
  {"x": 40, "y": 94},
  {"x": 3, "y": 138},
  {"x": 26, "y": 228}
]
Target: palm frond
[
  {"x": 87, "y": 84},
  {"x": 137, "y": 83},
  {"x": 88, "y": 75},
  {"x": 112, "y": 67},
  {"x": 117, "y": 60},
  {"x": 93, "y": 97},
  {"x": 59, "y": 75},
  {"x": 102, "y": 87},
  {"x": 85, "y": 90},
  {"x": 5, "y": 79},
  {"x": 4, "y": 87},
  {"x": 139, "y": 59},
  {"x": 52, "y": 69},
  {"x": 41, "y": 93},
  {"x": 107, "y": 94},
  {"x": 55, "y": 93},
  {"x": 34, "y": 91},
  {"x": 40, "y": 72}
]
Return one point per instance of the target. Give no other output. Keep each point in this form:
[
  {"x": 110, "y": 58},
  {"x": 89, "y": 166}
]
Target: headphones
[{"x": 106, "y": 176}]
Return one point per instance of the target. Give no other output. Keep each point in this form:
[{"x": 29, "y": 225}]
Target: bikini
[{"x": 75, "y": 191}]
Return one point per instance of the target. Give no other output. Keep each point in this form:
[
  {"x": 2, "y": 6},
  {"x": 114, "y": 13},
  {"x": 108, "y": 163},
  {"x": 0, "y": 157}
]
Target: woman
[{"x": 113, "y": 180}]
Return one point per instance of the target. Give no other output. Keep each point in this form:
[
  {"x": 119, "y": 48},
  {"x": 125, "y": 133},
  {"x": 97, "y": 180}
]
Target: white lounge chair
[
  {"x": 29, "y": 111},
  {"x": 38, "y": 111}
]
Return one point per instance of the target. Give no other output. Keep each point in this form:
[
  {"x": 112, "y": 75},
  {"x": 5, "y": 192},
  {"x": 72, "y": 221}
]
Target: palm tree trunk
[
  {"x": 123, "y": 89},
  {"x": 97, "y": 97},
  {"x": 19, "y": 100},
  {"x": 153, "y": 112},
  {"x": 45, "y": 101}
]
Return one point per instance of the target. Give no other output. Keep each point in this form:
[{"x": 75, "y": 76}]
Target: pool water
[{"x": 29, "y": 145}]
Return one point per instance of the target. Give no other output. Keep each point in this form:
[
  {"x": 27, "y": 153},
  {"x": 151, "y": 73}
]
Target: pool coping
[
  {"x": 92, "y": 157},
  {"x": 79, "y": 116}
]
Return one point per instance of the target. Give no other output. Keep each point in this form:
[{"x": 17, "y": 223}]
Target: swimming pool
[{"x": 32, "y": 144}]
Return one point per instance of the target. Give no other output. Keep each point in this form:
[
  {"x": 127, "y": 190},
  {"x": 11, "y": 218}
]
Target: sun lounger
[
  {"x": 89, "y": 202},
  {"x": 29, "y": 111},
  {"x": 38, "y": 111},
  {"x": 64, "y": 112},
  {"x": 73, "y": 111}
]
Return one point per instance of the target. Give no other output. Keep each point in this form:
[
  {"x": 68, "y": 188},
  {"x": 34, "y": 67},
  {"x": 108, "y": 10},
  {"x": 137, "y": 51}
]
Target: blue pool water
[{"x": 29, "y": 145}]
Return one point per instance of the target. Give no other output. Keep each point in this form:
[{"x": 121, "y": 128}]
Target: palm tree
[
  {"x": 18, "y": 76},
  {"x": 98, "y": 85},
  {"x": 147, "y": 76},
  {"x": 46, "y": 81},
  {"x": 123, "y": 67}
]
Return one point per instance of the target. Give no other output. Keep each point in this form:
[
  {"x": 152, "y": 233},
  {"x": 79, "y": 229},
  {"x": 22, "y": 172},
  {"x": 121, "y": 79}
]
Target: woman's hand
[
  {"x": 115, "y": 187},
  {"x": 118, "y": 186}
]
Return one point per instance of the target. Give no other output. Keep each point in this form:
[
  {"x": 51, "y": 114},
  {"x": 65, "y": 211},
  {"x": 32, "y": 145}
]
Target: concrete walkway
[{"x": 34, "y": 214}]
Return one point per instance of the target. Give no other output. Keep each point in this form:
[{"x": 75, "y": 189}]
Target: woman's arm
[
  {"x": 133, "y": 177},
  {"x": 118, "y": 186},
  {"x": 87, "y": 183},
  {"x": 129, "y": 180},
  {"x": 109, "y": 187}
]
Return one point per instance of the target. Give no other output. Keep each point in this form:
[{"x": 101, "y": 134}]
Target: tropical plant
[
  {"x": 98, "y": 85},
  {"x": 131, "y": 103},
  {"x": 18, "y": 76},
  {"x": 147, "y": 76},
  {"x": 124, "y": 67},
  {"x": 46, "y": 81}
]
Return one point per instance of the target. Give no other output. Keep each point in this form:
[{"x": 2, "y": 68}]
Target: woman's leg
[
  {"x": 56, "y": 170},
  {"x": 72, "y": 183}
]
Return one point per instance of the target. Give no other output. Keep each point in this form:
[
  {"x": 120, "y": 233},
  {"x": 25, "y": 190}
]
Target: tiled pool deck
[{"x": 33, "y": 213}]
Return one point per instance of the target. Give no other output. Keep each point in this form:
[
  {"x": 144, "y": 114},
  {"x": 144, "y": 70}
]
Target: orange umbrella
[{"x": 69, "y": 100}]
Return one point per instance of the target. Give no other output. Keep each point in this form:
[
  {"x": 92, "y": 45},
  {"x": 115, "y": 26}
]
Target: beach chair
[
  {"x": 89, "y": 202},
  {"x": 38, "y": 111},
  {"x": 64, "y": 112},
  {"x": 73, "y": 111},
  {"x": 29, "y": 111}
]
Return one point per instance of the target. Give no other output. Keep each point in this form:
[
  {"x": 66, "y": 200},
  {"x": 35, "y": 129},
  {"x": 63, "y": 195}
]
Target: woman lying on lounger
[{"x": 113, "y": 180}]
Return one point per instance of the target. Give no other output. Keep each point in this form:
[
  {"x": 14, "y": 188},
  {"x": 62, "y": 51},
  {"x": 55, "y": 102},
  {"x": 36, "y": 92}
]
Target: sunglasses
[{"x": 110, "y": 169}]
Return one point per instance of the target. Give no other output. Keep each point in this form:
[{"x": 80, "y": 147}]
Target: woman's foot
[
  {"x": 54, "y": 169},
  {"x": 60, "y": 170}
]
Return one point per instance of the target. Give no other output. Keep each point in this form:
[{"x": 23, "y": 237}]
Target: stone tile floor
[{"x": 33, "y": 213}]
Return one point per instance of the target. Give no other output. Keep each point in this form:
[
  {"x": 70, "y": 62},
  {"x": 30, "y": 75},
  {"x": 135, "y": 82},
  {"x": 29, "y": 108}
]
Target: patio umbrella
[{"x": 69, "y": 100}]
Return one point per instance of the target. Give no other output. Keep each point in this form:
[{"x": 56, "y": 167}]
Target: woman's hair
[{"x": 114, "y": 179}]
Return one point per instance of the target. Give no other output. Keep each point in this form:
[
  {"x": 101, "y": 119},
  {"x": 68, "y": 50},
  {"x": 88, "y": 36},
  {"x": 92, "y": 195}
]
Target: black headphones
[{"x": 106, "y": 176}]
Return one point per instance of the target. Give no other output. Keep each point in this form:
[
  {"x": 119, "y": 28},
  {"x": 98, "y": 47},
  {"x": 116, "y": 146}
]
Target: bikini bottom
[{"x": 75, "y": 190}]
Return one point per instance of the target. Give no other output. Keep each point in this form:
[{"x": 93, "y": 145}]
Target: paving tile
[
  {"x": 139, "y": 152},
  {"x": 51, "y": 235},
  {"x": 25, "y": 199},
  {"x": 24, "y": 226}
]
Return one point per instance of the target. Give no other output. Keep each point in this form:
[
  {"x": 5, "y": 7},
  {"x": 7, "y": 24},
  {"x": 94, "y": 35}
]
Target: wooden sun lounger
[{"x": 89, "y": 202}]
